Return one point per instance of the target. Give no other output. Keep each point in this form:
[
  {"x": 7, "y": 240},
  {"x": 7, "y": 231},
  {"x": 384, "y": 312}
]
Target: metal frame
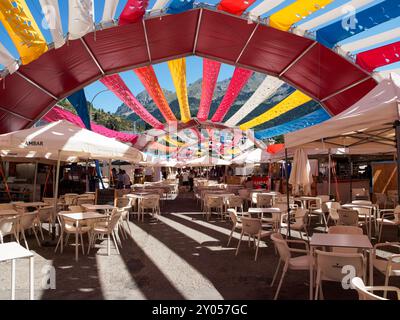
[
  {"x": 36, "y": 85},
  {"x": 197, "y": 31},
  {"x": 92, "y": 56},
  {"x": 354, "y": 84},
  {"x": 298, "y": 58},
  {"x": 247, "y": 43},
  {"x": 146, "y": 39}
]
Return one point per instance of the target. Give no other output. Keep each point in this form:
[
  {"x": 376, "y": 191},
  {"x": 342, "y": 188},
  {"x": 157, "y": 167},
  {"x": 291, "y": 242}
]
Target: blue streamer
[
  {"x": 361, "y": 21},
  {"x": 79, "y": 102},
  {"x": 178, "y": 6},
  {"x": 308, "y": 120}
]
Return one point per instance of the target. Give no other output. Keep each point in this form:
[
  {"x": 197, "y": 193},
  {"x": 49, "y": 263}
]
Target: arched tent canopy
[{"x": 315, "y": 70}]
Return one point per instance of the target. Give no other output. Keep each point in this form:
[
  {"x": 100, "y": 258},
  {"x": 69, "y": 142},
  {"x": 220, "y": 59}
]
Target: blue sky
[{"x": 108, "y": 101}]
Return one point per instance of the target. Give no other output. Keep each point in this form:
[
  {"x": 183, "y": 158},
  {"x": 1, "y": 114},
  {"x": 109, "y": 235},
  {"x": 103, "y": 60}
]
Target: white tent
[
  {"x": 253, "y": 156},
  {"x": 68, "y": 139},
  {"x": 206, "y": 161},
  {"x": 365, "y": 127},
  {"x": 62, "y": 140}
]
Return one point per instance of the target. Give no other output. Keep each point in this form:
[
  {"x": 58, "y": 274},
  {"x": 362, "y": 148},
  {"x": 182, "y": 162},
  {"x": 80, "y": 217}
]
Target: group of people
[{"x": 122, "y": 180}]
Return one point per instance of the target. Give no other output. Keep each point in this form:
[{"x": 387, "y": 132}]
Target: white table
[
  {"x": 78, "y": 217},
  {"x": 343, "y": 241},
  {"x": 8, "y": 212},
  {"x": 95, "y": 207},
  {"x": 13, "y": 251}
]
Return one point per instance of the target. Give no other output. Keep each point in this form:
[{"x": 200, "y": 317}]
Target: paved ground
[{"x": 180, "y": 257}]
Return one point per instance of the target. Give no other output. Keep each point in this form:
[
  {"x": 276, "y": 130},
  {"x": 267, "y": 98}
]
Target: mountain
[{"x": 194, "y": 94}]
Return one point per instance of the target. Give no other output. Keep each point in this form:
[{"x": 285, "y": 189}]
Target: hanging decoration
[
  {"x": 378, "y": 57},
  {"x": 149, "y": 80},
  {"x": 263, "y": 8},
  {"x": 177, "y": 69},
  {"x": 81, "y": 18},
  {"x": 115, "y": 84},
  {"x": 110, "y": 8},
  {"x": 17, "y": 19},
  {"x": 7, "y": 60},
  {"x": 52, "y": 15},
  {"x": 57, "y": 113},
  {"x": 178, "y": 6},
  {"x": 159, "y": 5},
  {"x": 133, "y": 11},
  {"x": 266, "y": 89},
  {"x": 211, "y": 70},
  {"x": 238, "y": 81},
  {"x": 295, "y": 100},
  {"x": 308, "y": 120},
  {"x": 370, "y": 17},
  {"x": 285, "y": 18},
  {"x": 236, "y": 7}
]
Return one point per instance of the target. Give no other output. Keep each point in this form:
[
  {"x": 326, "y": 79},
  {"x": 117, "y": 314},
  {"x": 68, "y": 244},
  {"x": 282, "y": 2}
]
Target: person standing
[
  {"x": 126, "y": 180},
  {"x": 185, "y": 178},
  {"x": 191, "y": 179},
  {"x": 120, "y": 184}
]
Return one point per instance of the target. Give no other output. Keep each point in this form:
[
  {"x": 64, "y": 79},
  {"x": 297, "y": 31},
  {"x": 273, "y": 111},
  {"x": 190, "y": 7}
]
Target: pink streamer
[
  {"x": 210, "y": 76},
  {"x": 238, "y": 81},
  {"x": 115, "y": 84},
  {"x": 58, "y": 113},
  {"x": 133, "y": 11}
]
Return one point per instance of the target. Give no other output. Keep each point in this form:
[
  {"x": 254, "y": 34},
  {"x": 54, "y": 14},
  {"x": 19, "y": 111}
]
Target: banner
[
  {"x": 17, "y": 19},
  {"x": 211, "y": 70},
  {"x": 110, "y": 8},
  {"x": 57, "y": 113},
  {"x": 115, "y": 84},
  {"x": 294, "y": 12},
  {"x": 148, "y": 78},
  {"x": 178, "y": 6},
  {"x": 295, "y": 100},
  {"x": 308, "y": 120},
  {"x": 238, "y": 81},
  {"x": 51, "y": 13},
  {"x": 177, "y": 69},
  {"x": 379, "y": 57},
  {"x": 133, "y": 11},
  {"x": 7, "y": 60},
  {"x": 234, "y": 6},
  {"x": 267, "y": 89},
  {"x": 81, "y": 18},
  {"x": 357, "y": 22}
]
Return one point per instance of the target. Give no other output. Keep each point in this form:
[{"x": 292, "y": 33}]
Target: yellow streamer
[
  {"x": 296, "y": 99},
  {"x": 174, "y": 142},
  {"x": 295, "y": 12},
  {"x": 23, "y": 30},
  {"x": 177, "y": 69}
]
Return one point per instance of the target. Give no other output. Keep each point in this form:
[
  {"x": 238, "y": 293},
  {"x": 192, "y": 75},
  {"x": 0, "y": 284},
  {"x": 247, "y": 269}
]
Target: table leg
[
  {"x": 13, "y": 279},
  {"x": 31, "y": 279},
  {"x": 76, "y": 242},
  {"x": 312, "y": 274},
  {"x": 371, "y": 268}
]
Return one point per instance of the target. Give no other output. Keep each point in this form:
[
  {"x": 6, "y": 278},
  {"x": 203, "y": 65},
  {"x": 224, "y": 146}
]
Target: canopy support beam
[
  {"x": 15, "y": 114},
  {"x": 298, "y": 58},
  {"x": 147, "y": 40},
  {"x": 92, "y": 56},
  {"x": 36, "y": 85},
  {"x": 247, "y": 42},
  {"x": 197, "y": 31},
  {"x": 345, "y": 88}
]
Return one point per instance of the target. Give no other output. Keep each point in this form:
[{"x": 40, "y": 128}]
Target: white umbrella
[{"x": 300, "y": 175}]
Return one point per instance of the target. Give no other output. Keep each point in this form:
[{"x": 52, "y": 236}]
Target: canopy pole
[
  {"x": 56, "y": 192},
  {"x": 329, "y": 172},
  {"x": 351, "y": 178},
  {"x": 87, "y": 176},
  {"x": 397, "y": 130},
  {"x": 287, "y": 189},
  {"x": 35, "y": 182}
]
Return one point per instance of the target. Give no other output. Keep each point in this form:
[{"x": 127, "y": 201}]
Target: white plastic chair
[
  {"x": 8, "y": 226},
  {"x": 333, "y": 207},
  {"x": 27, "y": 221},
  {"x": 390, "y": 266},
  {"x": 298, "y": 222},
  {"x": 330, "y": 266},
  {"x": 253, "y": 228},
  {"x": 366, "y": 293},
  {"x": 385, "y": 221},
  {"x": 303, "y": 262},
  {"x": 214, "y": 203},
  {"x": 236, "y": 224},
  {"x": 347, "y": 217},
  {"x": 235, "y": 202}
]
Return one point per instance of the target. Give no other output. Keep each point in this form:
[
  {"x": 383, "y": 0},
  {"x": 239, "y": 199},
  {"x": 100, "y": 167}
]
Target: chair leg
[
  {"x": 83, "y": 248},
  {"x": 115, "y": 242},
  {"x": 386, "y": 284},
  {"x": 129, "y": 228},
  {"x": 258, "y": 245},
  {"x": 41, "y": 231},
  {"x": 281, "y": 281},
  {"x": 238, "y": 246},
  {"x": 108, "y": 245},
  {"x": 276, "y": 273},
  {"x": 230, "y": 236},
  {"x": 317, "y": 284},
  {"x": 36, "y": 236},
  {"x": 23, "y": 236}
]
